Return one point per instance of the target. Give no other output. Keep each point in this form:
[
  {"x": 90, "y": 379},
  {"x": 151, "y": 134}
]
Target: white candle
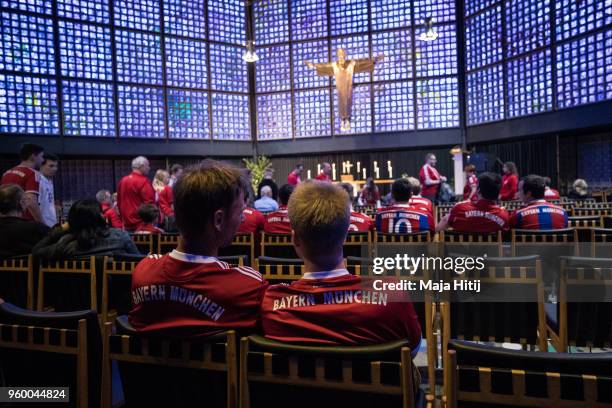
[
  {"x": 377, "y": 171},
  {"x": 343, "y": 167},
  {"x": 358, "y": 168},
  {"x": 318, "y": 169},
  {"x": 364, "y": 174},
  {"x": 308, "y": 173},
  {"x": 390, "y": 172},
  {"x": 333, "y": 171}
]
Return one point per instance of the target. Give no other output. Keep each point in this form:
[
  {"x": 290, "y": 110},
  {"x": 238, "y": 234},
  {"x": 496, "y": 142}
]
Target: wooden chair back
[
  {"x": 71, "y": 292},
  {"x": 17, "y": 281}
]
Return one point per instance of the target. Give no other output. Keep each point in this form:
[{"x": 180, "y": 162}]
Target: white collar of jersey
[
  {"x": 325, "y": 274},
  {"x": 181, "y": 256},
  {"x": 537, "y": 201}
]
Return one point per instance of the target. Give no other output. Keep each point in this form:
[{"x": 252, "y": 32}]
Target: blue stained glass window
[
  {"x": 483, "y": 39},
  {"x": 141, "y": 112},
  {"x": 28, "y": 105},
  {"x": 474, "y": 6},
  {"x": 527, "y": 25},
  {"x": 308, "y": 19},
  {"x": 274, "y": 116},
  {"x": 393, "y": 107},
  {"x": 228, "y": 71},
  {"x": 188, "y": 114},
  {"x": 388, "y": 14},
  {"x": 437, "y": 57},
  {"x": 397, "y": 50},
  {"x": 437, "y": 103},
  {"x": 440, "y": 11},
  {"x": 89, "y": 109},
  {"x": 89, "y": 10},
  {"x": 576, "y": 17},
  {"x": 312, "y": 113},
  {"x": 530, "y": 84},
  {"x": 226, "y": 21},
  {"x": 348, "y": 17},
  {"x": 316, "y": 52},
  {"x": 138, "y": 57},
  {"x": 361, "y": 119},
  {"x": 230, "y": 117},
  {"x": 356, "y": 47},
  {"x": 137, "y": 14},
  {"x": 582, "y": 67},
  {"x": 186, "y": 63},
  {"x": 185, "y": 17},
  {"x": 485, "y": 95},
  {"x": 271, "y": 20},
  {"x": 27, "y": 44},
  {"x": 85, "y": 51},
  {"x": 272, "y": 71},
  {"x": 34, "y": 6}
]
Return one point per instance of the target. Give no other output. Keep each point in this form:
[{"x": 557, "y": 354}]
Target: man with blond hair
[{"x": 329, "y": 306}]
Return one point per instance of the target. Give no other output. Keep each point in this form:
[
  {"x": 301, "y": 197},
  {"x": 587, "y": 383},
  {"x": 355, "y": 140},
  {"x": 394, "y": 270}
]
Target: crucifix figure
[{"x": 342, "y": 70}]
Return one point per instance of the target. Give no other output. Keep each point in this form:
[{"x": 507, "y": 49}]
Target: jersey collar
[
  {"x": 325, "y": 274},
  {"x": 181, "y": 256}
]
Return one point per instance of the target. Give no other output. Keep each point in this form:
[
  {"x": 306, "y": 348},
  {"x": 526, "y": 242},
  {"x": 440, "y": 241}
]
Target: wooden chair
[
  {"x": 166, "y": 243},
  {"x": 280, "y": 269},
  {"x": 412, "y": 244},
  {"x": 277, "y": 245},
  {"x": 116, "y": 275},
  {"x": 242, "y": 245},
  {"x": 583, "y": 226},
  {"x": 145, "y": 242},
  {"x": 512, "y": 205},
  {"x": 234, "y": 260},
  {"x": 385, "y": 369},
  {"x": 484, "y": 376},
  {"x": 71, "y": 292},
  {"x": 592, "y": 209},
  {"x": 442, "y": 210},
  {"x": 471, "y": 243},
  {"x": 358, "y": 244},
  {"x": 17, "y": 281},
  {"x": 583, "y": 315},
  {"x": 601, "y": 242},
  {"x": 606, "y": 221},
  {"x": 158, "y": 371}
]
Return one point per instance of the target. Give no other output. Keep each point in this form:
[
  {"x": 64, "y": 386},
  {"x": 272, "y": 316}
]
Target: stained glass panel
[
  {"x": 440, "y": 11},
  {"x": 273, "y": 69},
  {"x": 438, "y": 57},
  {"x": 90, "y": 10},
  {"x": 141, "y": 112},
  {"x": 89, "y": 109},
  {"x": 138, "y": 57},
  {"x": 316, "y": 52},
  {"x": 356, "y": 47},
  {"x": 437, "y": 103},
  {"x": 312, "y": 113},
  {"x": 274, "y": 116},
  {"x": 226, "y": 21},
  {"x": 577, "y": 17},
  {"x": 361, "y": 119},
  {"x": 393, "y": 107},
  {"x": 530, "y": 84},
  {"x": 387, "y": 14},
  {"x": 228, "y": 71},
  {"x": 348, "y": 17},
  {"x": 485, "y": 95},
  {"x": 230, "y": 117},
  {"x": 185, "y": 17},
  {"x": 188, "y": 114},
  {"x": 527, "y": 25},
  {"x": 186, "y": 63},
  {"x": 271, "y": 21},
  {"x": 308, "y": 19},
  {"x": 397, "y": 50},
  {"x": 85, "y": 51},
  {"x": 137, "y": 14},
  {"x": 483, "y": 39}
]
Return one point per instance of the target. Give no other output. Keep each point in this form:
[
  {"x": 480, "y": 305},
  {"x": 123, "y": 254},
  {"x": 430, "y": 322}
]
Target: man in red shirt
[
  {"x": 189, "y": 292},
  {"x": 430, "y": 177},
  {"x": 277, "y": 222},
  {"x": 253, "y": 222},
  {"x": 109, "y": 212},
  {"x": 26, "y": 176},
  {"x": 294, "y": 178},
  {"x": 326, "y": 172},
  {"x": 484, "y": 215},
  {"x": 401, "y": 217},
  {"x": 134, "y": 190},
  {"x": 359, "y": 222},
  {"x": 537, "y": 214},
  {"x": 416, "y": 200},
  {"x": 550, "y": 193},
  {"x": 471, "y": 185},
  {"x": 329, "y": 306}
]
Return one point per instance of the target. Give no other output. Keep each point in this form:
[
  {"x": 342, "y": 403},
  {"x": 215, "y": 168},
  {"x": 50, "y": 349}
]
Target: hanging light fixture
[
  {"x": 250, "y": 55},
  {"x": 430, "y": 33}
]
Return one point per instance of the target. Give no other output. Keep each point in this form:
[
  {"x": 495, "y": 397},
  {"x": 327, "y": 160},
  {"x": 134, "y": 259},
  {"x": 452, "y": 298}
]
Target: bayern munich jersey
[
  {"x": 192, "y": 295},
  {"x": 481, "y": 216},
  {"x": 336, "y": 308},
  {"x": 360, "y": 223},
  {"x": 539, "y": 215},
  {"x": 404, "y": 219},
  {"x": 421, "y": 203},
  {"x": 28, "y": 179},
  {"x": 277, "y": 222},
  {"x": 253, "y": 222}
]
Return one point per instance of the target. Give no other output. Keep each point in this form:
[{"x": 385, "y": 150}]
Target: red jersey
[
  {"x": 481, "y": 216},
  {"x": 293, "y": 179},
  {"x": 253, "y": 222},
  {"x": 336, "y": 308},
  {"x": 426, "y": 176},
  {"x": 26, "y": 178},
  {"x": 134, "y": 190},
  {"x": 509, "y": 187},
  {"x": 404, "y": 219},
  {"x": 165, "y": 199},
  {"x": 194, "y": 293},
  {"x": 277, "y": 222},
  {"x": 551, "y": 194},
  {"x": 369, "y": 197},
  {"x": 111, "y": 216},
  {"x": 323, "y": 177},
  {"x": 148, "y": 229},
  {"x": 360, "y": 223},
  {"x": 539, "y": 215},
  {"x": 472, "y": 181},
  {"x": 421, "y": 203}
]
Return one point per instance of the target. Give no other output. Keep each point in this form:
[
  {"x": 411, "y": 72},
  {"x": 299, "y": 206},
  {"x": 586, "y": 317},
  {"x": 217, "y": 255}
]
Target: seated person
[
  {"x": 85, "y": 234},
  {"x": 266, "y": 203},
  {"x": 149, "y": 215},
  {"x": 277, "y": 222},
  {"x": 402, "y": 217},
  {"x": 550, "y": 193},
  {"x": 416, "y": 200},
  {"x": 109, "y": 209},
  {"x": 253, "y": 222},
  {"x": 189, "y": 292},
  {"x": 359, "y": 222},
  {"x": 17, "y": 235},
  {"x": 579, "y": 191},
  {"x": 329, "y": 306},
  {"x": 537, "y": 214},
  {"x": 484, "y": 215}
]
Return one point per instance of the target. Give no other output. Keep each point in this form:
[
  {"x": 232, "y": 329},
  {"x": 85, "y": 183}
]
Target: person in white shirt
[{"x": 46, "y": 195}]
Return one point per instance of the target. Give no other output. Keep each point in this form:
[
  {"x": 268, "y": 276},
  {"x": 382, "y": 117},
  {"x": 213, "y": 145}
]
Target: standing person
[
  {"x": 470, "y": 191},
  {"x": 538, "y": 214},
  {"x": 550, "y": 193},
  {"x": 359, "y": 222},
  {"x": 176, "y": 170},
  {"x": 46, "y": 196},
  {"x": 268, "y": 180},
  {"x": 163, "y": 191},
  {"x": 26, "y": 176},
  {"x": 430, "y": 178},
  {"x": 295, "y": 177},
  {"x": 134, "y": 190},
  {"x": 326, "y": 173},
  {"x": 369, "y": 194},
  {"x": 509, "y": 187},
  {"x": 109, "y": 210}
]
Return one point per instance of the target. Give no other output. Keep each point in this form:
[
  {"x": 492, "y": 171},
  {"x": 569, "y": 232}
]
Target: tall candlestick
[
  {"x": 364, "y": 174},
  {"x": 318, "y": 169},
  {"x": 358, "y": 168},
  {"x": 308, "y": 173},
  {"x": 333, "y": 171},
  {"x": 390, "y": 172},
  {"x": 377, "y": 172}
]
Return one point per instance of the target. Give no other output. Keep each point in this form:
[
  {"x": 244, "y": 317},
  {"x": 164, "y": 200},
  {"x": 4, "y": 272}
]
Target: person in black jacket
[
  {"x": 17, "y": 235},
  {"x": 86, "y": 234}
]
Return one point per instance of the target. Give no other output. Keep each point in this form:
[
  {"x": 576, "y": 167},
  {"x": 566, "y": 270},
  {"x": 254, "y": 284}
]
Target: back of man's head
[
  {"x": 535, "y": 185},
  {"x": 175, "y": 168},
  {"x": 266, "y": 191},
  {"x": 148, "y": 213},
  {"x": 489, "y": 185},
  {"x": 320, "y": 216},
  {"x": 401, "y": 190},
  {"x": 103, "y": 196},
  {"x": 29, "y": 149},
  {"x": 415, "y": 185},
  {"x": 284, "y": 193},
  {"x": 10, "y": 198}
]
